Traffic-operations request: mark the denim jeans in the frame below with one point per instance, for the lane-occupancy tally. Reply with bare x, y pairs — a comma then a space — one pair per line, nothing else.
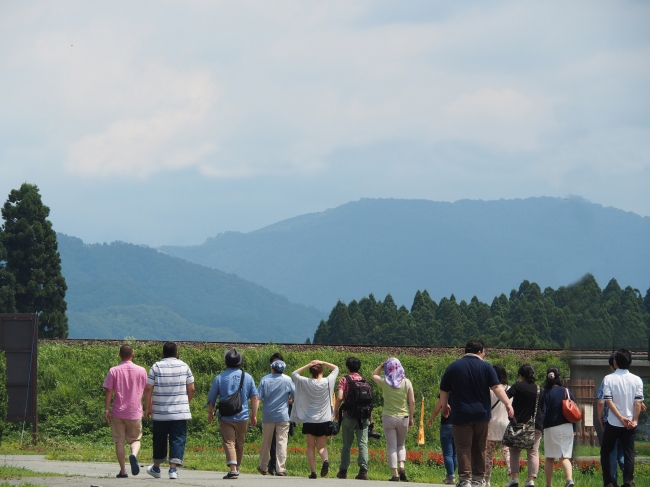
177, 432
617, 461
448, 450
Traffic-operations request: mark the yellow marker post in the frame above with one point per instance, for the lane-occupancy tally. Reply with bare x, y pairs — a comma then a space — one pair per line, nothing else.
421, 431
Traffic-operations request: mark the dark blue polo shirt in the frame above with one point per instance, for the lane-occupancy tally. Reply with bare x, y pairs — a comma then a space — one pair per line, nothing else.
468, 380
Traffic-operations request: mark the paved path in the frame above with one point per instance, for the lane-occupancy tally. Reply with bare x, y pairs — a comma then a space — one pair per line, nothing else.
87, 474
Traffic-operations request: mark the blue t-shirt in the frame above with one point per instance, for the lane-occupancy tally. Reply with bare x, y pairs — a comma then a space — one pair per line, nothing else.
274, 391
468, 380
601, 396
226, 384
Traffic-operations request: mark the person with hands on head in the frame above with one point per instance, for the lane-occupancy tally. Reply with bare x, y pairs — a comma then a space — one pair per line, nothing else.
169, 390
233, 428
124, 386
446, 443
465, 387
397, 417
313, 407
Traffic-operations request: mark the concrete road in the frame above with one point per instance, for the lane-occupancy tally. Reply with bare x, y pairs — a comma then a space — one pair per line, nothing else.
88, 474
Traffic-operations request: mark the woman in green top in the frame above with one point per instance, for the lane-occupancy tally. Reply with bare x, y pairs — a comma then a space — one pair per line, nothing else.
399, 407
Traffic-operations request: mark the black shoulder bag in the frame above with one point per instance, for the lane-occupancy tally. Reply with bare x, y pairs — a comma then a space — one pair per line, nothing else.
521, 436
232, 405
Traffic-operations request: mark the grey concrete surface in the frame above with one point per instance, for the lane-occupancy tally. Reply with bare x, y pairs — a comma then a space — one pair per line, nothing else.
87, 474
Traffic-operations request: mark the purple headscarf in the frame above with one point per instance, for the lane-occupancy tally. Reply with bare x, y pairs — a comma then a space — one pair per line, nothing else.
393, 372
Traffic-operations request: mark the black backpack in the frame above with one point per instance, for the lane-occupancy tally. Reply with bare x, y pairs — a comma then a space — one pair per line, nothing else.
358, 404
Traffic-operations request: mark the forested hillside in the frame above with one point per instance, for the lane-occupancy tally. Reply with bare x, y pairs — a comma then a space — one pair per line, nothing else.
467, 248
120, 290
577, 316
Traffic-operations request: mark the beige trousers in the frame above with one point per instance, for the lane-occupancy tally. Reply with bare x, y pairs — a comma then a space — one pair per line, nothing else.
233, 435
281, 439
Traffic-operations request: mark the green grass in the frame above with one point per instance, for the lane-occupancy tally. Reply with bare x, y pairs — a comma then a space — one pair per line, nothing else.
9, 472
22, 484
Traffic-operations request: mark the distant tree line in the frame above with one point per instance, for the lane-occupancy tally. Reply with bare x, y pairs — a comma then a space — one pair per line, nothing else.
578, 316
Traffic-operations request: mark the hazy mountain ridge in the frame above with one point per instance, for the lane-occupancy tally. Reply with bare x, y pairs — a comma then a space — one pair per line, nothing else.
122, 290
467, 248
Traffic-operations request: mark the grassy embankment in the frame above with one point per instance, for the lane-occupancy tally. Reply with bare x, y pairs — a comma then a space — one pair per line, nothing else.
71, 407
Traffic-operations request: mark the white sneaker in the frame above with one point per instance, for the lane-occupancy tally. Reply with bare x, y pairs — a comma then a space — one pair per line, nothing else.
464, 483
478, 483
152, 472
173, 473
529, 483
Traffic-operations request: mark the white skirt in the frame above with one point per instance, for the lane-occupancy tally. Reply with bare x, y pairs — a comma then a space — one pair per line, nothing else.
558, 441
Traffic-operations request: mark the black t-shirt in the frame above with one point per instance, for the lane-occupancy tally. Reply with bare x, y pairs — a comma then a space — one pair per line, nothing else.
523, 394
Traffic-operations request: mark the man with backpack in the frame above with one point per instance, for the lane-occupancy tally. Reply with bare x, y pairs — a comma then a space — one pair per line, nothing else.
355, 394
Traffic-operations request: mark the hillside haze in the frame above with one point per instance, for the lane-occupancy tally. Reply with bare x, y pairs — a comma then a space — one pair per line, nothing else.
121, 290
468, 248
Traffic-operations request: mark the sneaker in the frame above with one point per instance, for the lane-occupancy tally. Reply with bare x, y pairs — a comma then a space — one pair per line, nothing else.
154, 471
362, 475
312, 475
263, 472
479, 483
122, 476
231, 475
529, 483
449, 481
281, 474
569, 483
514, 483
173, 473
342, 474
135, 467
326, 468
393, 479
464, 483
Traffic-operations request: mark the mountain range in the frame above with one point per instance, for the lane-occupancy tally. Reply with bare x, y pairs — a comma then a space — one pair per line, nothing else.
121, 290
467, 248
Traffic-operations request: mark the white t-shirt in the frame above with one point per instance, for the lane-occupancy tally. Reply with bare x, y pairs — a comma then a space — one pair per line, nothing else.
623, 388
312, 401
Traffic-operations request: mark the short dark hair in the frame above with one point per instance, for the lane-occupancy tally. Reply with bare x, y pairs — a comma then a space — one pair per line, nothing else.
353, 364
527, 372
126, 351
276, 356
554, 380
170, 349
611, 359
474, 346
316, 370
623, 359
501, 373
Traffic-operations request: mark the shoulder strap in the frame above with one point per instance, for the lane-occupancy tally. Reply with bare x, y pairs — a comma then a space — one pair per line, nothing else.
241, 382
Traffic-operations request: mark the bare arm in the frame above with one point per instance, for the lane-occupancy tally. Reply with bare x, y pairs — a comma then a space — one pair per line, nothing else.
327, 364
444, 403
304, 367
411, 397
503, 397
375, 374
210, 412
107, 405
190, 391
255, 403
148, 402
337, 403
434, 413
600, 407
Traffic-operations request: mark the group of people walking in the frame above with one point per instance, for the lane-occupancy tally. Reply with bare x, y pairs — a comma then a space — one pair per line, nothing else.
480, 413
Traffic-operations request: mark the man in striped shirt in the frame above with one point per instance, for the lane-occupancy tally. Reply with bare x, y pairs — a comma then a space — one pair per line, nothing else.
170, 387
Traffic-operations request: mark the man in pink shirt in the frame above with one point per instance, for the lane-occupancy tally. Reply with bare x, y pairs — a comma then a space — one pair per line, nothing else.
125, 384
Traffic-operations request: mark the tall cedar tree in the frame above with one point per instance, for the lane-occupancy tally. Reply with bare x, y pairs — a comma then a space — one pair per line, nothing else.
7, 283
33, 260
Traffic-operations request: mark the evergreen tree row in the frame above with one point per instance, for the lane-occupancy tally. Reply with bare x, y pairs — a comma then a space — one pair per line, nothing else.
580, 316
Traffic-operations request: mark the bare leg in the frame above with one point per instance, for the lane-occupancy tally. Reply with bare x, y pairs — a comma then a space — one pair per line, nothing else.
121, 454
548, 470
135, 447
311, 460
321, 446
568, 468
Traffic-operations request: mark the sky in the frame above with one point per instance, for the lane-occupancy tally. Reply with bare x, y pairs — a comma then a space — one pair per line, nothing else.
167, 122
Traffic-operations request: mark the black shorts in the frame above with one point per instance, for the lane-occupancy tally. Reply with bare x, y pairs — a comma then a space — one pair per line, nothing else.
316, 429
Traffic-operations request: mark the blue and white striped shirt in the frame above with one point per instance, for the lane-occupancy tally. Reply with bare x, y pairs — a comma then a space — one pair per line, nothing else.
169, 378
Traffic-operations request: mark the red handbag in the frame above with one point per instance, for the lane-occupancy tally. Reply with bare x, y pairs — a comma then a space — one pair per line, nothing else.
570, 409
